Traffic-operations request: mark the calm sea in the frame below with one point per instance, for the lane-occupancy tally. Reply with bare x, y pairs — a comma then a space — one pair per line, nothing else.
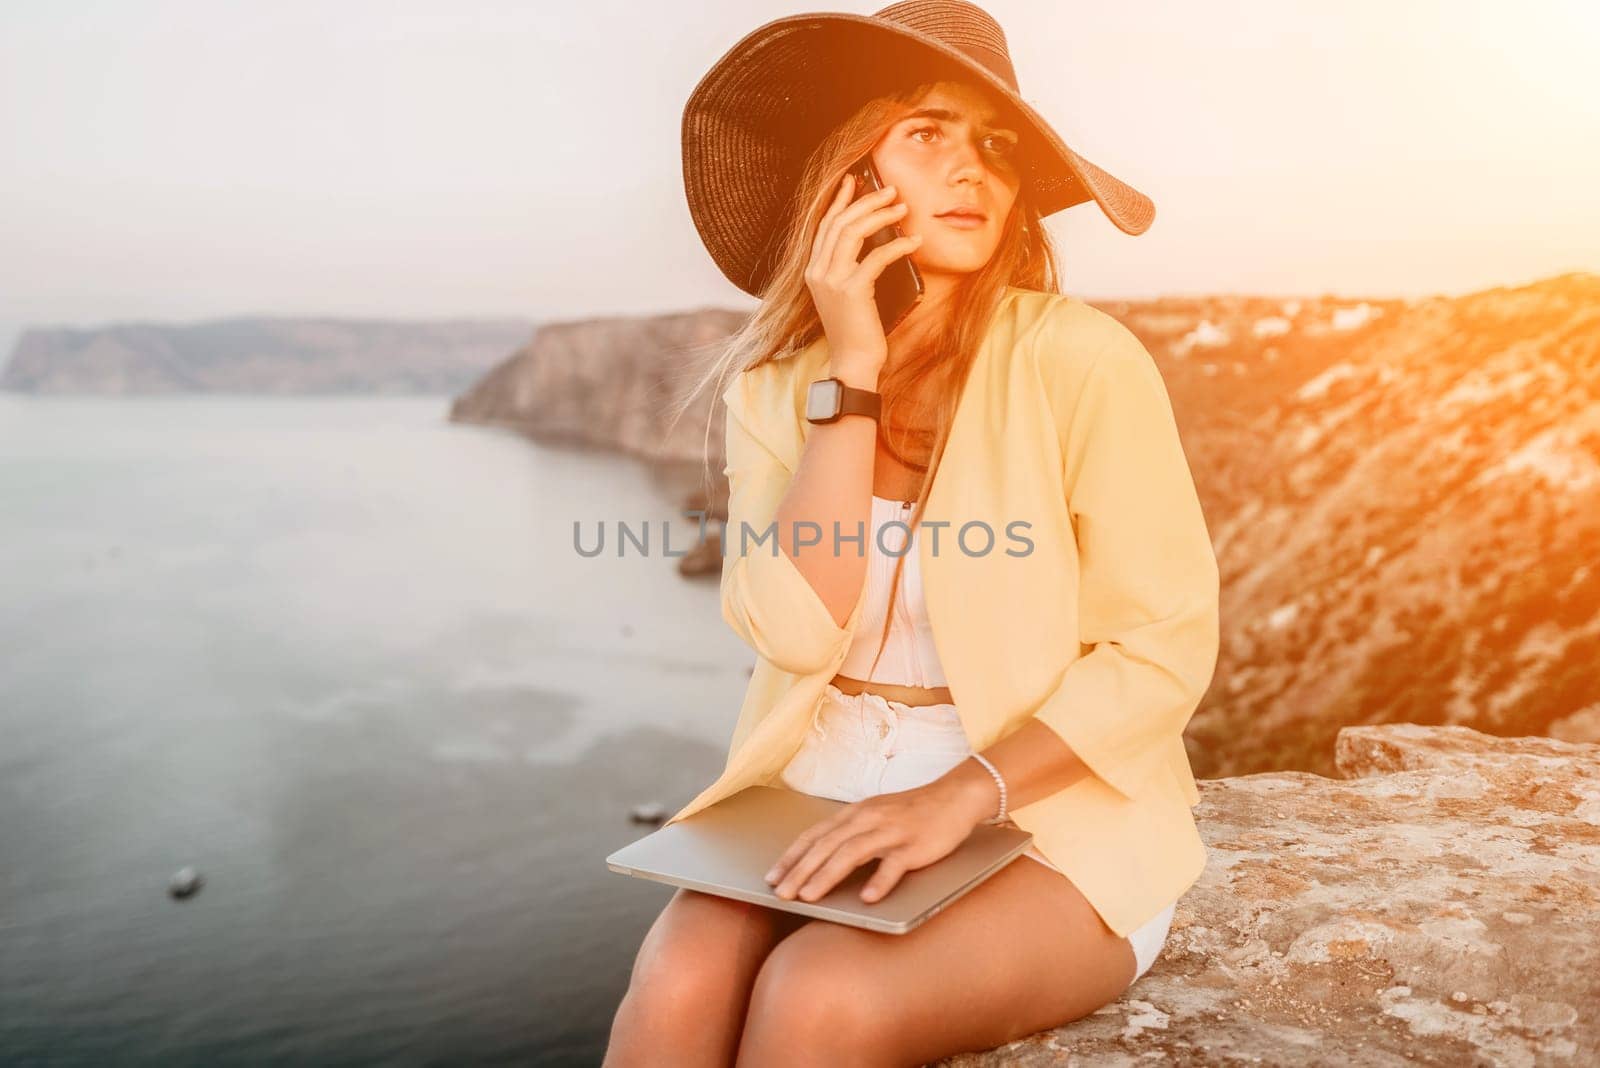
340, 656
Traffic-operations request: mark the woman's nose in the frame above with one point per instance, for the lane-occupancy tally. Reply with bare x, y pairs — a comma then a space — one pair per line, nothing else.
968, 165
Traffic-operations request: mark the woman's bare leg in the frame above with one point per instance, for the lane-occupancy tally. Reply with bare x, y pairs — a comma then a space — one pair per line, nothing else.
691, 981
1022, 952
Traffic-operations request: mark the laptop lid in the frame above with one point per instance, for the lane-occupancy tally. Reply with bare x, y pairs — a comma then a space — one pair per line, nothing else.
727, 848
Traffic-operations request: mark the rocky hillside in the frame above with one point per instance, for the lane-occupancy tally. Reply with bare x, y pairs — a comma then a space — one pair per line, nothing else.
262, 355
1436, 903
1405, 501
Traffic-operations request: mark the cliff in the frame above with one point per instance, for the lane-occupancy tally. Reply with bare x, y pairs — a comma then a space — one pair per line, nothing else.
609, 383
1405, 500
261, 355
1436, 904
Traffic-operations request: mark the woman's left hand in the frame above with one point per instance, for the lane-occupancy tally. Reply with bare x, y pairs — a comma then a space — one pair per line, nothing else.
907, 830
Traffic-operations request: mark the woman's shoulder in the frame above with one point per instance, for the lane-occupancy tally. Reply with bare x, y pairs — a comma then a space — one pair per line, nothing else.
1060, 326
1062, 338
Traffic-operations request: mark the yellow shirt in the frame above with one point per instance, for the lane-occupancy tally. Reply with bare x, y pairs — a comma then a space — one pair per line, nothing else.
1105, 628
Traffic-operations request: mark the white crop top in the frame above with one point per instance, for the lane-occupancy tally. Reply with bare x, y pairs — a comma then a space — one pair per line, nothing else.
909, 657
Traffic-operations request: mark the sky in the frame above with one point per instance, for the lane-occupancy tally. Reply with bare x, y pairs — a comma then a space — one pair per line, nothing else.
168, 160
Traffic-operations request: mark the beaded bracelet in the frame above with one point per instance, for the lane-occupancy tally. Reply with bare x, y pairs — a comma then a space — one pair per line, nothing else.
999, 817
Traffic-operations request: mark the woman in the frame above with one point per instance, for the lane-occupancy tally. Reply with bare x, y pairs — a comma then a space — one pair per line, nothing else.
1042, 682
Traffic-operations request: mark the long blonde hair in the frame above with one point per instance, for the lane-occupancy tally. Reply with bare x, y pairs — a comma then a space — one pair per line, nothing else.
786, 320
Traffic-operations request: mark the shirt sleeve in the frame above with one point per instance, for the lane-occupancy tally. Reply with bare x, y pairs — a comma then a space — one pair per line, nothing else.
1148, 581
765, 599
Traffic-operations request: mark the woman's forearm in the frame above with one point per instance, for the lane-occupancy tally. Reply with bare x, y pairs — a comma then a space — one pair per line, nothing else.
833, 484
1033, 760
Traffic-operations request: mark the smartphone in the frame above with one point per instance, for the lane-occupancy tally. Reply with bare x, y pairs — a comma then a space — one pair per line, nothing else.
899, 288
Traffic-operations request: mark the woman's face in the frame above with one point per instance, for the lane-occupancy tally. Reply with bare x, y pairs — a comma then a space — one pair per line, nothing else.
952, 152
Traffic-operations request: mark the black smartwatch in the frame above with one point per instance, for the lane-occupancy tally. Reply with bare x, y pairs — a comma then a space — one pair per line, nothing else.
829, 399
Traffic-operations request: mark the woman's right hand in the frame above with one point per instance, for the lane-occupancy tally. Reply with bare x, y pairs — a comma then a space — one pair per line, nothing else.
841, 287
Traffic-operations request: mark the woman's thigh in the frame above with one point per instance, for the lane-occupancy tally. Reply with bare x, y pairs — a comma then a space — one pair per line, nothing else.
1022, 952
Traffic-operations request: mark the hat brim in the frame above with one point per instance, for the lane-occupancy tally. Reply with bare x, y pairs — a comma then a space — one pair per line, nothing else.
756, 115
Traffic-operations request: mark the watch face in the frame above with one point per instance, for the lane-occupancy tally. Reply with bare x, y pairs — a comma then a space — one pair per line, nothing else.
823, 399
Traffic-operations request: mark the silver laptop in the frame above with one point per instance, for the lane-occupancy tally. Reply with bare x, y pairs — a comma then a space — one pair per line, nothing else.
726, 849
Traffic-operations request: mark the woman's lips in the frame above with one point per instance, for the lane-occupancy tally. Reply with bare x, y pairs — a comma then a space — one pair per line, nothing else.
963, 222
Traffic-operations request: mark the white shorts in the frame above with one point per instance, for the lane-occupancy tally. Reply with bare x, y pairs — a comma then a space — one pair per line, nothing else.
860, 745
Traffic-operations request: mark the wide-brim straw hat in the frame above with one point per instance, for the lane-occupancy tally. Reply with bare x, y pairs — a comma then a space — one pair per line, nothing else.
759, 112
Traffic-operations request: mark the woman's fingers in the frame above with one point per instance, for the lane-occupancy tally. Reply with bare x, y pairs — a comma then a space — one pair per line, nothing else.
853, 234
879, 258
890, 869
803, 843
831, 858
846, 858
841, 200
796, 850
836, 228
828, 228
842, 297
813, 846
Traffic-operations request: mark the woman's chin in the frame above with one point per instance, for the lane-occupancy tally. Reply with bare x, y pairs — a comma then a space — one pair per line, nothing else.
953, 261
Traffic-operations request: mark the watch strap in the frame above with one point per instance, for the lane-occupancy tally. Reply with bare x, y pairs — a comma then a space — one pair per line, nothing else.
853, 401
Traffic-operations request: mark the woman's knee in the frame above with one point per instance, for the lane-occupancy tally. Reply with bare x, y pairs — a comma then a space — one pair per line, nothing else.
683, 946
701, 954
803, 1000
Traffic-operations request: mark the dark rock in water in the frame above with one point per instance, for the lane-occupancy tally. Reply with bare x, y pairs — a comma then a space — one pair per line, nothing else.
704, 559
186, 882
650, 812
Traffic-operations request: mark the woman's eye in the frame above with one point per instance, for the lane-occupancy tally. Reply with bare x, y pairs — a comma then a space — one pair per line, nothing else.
1000, 144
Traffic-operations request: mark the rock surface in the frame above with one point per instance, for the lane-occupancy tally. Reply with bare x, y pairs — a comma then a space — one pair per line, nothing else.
1440, 904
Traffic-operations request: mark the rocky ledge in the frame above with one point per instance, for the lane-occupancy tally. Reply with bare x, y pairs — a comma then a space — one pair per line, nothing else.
1437, 904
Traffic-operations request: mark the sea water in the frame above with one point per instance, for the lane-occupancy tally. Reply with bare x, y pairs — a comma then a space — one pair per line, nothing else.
339, 655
